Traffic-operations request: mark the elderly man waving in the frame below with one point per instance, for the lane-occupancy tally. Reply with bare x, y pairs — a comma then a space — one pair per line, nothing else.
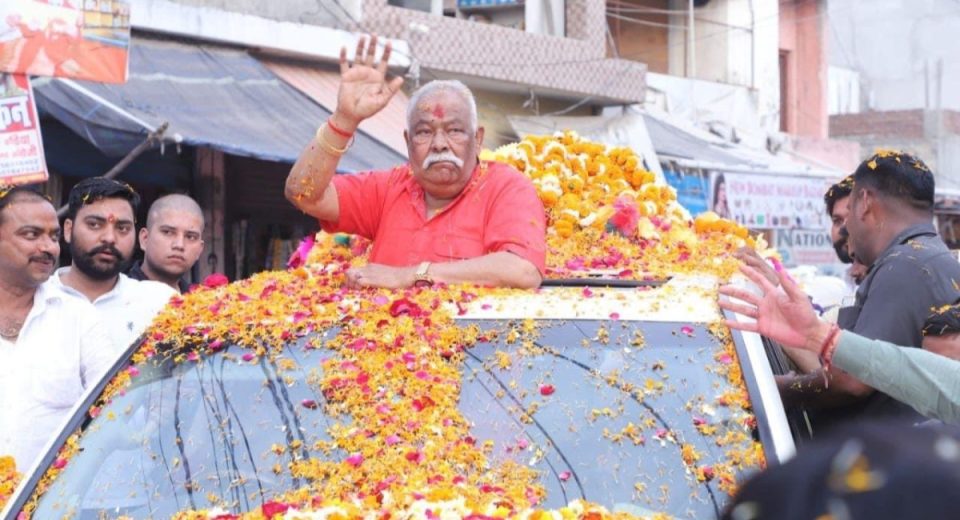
444, 217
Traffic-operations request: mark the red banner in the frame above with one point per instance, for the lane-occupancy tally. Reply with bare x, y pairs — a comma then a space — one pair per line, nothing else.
82, 39
21, 147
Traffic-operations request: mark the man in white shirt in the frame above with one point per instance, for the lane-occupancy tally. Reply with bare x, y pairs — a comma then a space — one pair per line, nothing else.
52, 346
100, 231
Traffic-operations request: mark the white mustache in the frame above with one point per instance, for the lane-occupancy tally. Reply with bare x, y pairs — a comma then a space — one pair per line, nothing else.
442, 157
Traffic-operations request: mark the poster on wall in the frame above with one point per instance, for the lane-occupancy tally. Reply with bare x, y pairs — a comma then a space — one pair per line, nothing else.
21, 147
768, 201
81, 39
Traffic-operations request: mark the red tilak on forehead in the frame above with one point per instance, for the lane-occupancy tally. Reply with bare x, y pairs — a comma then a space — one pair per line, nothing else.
438, 111
111, 218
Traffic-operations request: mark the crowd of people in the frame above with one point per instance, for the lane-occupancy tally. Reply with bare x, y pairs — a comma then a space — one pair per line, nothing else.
63, 328
448, 217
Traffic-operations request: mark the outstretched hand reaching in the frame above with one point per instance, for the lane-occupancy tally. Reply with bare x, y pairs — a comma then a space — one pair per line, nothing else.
364, 89
783, 315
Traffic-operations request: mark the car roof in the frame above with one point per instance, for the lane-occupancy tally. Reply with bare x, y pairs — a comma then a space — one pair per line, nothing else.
680, 299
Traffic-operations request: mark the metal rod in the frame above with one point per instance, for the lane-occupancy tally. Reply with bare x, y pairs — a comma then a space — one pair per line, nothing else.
691, 37
155, 135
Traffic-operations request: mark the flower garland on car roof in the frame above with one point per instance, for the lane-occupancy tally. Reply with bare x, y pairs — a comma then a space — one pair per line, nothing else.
606, 212
399, 447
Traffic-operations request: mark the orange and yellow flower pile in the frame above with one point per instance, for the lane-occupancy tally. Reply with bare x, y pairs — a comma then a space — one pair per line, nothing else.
9, 479
606, 212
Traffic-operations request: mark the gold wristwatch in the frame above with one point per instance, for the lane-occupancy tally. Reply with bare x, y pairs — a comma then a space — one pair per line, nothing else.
423, 279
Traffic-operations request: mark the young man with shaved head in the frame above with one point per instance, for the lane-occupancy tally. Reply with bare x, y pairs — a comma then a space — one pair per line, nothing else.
446, 216
171, 241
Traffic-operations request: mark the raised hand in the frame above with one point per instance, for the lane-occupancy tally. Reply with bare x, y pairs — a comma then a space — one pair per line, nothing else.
364, 89
752, 258
785, 316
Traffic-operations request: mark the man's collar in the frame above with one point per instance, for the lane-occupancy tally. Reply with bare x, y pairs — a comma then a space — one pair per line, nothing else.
44, 296
121, 278
913, 231
136, 273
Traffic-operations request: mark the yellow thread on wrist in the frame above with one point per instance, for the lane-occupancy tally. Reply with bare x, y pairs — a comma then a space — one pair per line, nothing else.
325, 144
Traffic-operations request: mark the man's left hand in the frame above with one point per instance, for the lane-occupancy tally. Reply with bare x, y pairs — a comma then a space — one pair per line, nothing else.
382, 276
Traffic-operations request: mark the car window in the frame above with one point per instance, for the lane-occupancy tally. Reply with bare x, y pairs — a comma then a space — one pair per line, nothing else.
636, 416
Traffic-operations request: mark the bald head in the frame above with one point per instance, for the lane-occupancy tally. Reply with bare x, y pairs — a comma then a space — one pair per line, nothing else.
174, 203
172, 239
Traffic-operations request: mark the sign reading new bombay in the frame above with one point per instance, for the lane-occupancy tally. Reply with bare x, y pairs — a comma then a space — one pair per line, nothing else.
770, 201
21, 147
81, 39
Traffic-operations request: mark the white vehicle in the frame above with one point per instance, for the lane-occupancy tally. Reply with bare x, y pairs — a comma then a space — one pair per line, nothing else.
630, 414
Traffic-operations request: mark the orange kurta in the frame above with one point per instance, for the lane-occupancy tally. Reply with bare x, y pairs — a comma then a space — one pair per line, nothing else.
499, 210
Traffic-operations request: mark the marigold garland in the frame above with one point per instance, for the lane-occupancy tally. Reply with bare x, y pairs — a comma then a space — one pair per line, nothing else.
393, 382
9, 479
606, 212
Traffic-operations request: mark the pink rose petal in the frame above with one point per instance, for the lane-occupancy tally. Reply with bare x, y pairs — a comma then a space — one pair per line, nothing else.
355, 459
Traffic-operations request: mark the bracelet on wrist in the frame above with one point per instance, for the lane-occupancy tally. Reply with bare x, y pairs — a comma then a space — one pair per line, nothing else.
326, 145
337, 130
826, 351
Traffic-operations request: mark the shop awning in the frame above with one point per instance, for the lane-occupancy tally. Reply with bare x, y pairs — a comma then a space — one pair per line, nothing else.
211, 96
672, 142
322, 84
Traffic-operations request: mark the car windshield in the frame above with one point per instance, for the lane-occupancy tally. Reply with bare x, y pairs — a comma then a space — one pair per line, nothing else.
636, 416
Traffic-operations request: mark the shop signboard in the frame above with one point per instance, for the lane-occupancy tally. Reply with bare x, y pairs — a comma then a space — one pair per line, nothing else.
805, 247
21, 148
769, 201
81, 39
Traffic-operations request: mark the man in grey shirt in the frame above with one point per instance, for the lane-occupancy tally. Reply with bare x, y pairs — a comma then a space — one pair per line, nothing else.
911, 273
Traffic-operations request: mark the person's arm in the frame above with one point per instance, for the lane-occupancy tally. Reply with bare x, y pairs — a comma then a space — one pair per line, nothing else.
500, 269
785, 315
364, 91
928, 382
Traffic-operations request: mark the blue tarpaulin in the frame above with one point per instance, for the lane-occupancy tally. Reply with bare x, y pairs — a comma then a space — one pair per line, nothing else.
691, 189
211, 96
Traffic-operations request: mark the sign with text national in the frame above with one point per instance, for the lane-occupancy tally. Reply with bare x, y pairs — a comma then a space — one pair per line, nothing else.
81, 39
806, 246
21, 147
770, 201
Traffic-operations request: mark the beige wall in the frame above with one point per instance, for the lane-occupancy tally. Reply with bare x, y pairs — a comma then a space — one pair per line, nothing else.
805, 96
638, 41
575, 65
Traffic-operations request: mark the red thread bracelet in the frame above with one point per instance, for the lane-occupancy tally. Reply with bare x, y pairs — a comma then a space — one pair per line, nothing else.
826, 351
338, 131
